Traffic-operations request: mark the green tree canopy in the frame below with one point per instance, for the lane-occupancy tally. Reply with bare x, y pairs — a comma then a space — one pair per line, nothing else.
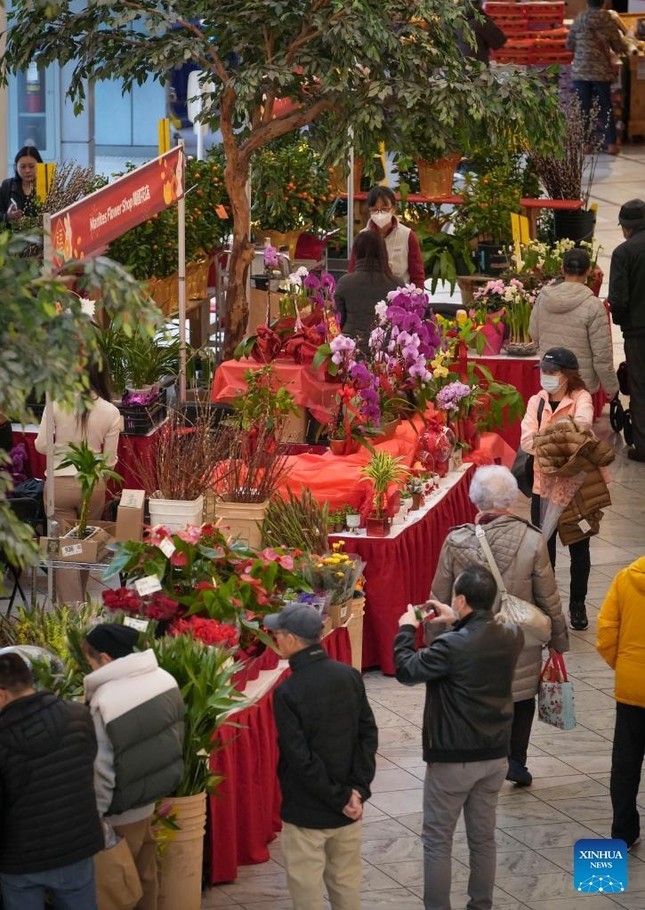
372, 66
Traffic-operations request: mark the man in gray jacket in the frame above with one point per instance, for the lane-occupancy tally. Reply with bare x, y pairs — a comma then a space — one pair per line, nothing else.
569, 309
467, 718
138, 715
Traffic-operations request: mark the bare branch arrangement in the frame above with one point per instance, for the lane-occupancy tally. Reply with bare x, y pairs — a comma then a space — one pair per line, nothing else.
188, 455
70, 183
256, 465
571, 175
195, 457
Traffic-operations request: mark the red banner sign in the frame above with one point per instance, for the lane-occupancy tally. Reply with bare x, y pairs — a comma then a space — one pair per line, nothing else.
88, 225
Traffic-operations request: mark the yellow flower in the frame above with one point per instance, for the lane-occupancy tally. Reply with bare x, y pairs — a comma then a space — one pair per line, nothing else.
440, 372
462, 316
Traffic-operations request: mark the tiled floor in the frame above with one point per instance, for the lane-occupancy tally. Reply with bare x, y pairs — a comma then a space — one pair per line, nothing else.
569, 799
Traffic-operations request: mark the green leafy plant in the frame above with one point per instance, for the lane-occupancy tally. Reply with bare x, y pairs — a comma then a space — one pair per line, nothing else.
137, 360
204, 676
264, 403
488, 201
91, 469
46, 341
290, 186
150, 249
445, 256
58, 632
383, 469
298, 521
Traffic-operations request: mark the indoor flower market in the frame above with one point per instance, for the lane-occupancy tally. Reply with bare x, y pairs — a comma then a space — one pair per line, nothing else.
322, 334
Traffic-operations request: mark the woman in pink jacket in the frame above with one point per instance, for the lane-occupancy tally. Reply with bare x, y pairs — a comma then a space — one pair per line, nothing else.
563, 394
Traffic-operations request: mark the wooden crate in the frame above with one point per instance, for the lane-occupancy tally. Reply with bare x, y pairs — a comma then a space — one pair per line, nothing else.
636, 123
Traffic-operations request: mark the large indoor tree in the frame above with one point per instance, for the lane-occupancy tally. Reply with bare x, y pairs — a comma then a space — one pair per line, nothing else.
365, 68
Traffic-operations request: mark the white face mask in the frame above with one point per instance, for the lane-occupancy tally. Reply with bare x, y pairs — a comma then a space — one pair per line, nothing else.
381, 219
550, 382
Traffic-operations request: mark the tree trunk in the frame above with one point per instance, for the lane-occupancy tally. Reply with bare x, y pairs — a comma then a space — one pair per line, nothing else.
236, 308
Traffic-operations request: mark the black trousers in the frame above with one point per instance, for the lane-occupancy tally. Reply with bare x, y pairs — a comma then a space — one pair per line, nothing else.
523, 714
635, 357
580, 558
626, 766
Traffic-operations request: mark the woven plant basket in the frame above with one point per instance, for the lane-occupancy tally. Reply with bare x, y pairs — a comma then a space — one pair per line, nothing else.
520, 348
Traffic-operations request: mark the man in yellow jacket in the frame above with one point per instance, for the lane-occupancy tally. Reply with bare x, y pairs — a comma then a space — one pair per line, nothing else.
621, 642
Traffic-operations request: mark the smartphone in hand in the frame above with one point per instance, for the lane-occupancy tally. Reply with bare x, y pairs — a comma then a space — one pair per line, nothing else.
425, 611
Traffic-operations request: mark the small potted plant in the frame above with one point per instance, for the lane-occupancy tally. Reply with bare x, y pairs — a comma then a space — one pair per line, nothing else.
91, 469
414, 487
382, 469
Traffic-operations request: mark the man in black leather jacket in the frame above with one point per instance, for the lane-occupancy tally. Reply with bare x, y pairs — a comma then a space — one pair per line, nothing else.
627, 302
327, 739
467, 719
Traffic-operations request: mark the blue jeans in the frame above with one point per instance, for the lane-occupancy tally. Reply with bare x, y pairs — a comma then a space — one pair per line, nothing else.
71, 887
602, 90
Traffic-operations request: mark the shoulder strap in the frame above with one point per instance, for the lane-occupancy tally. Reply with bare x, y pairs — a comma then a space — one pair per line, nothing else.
488, 553
540, 410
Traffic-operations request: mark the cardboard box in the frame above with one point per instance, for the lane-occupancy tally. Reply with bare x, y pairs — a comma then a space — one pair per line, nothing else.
70, 549
129, 516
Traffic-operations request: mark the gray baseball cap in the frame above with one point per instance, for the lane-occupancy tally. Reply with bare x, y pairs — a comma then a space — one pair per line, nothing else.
299, 619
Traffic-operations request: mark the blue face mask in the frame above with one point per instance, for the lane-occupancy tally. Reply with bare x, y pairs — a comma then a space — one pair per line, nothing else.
550, 382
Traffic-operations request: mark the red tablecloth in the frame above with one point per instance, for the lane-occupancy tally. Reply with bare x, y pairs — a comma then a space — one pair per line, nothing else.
132, 451
400, 569
307, 386
522, 373
244, 815
337, 480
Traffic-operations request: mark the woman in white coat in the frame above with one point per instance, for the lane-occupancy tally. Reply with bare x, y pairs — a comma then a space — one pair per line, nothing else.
99, 424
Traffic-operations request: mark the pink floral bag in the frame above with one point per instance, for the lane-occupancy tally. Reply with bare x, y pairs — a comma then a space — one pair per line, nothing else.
555, 695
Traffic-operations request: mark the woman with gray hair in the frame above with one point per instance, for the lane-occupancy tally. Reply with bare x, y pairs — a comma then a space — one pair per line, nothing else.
520, 553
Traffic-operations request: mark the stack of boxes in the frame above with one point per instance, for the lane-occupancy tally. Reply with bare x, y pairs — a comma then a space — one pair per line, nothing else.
535, 31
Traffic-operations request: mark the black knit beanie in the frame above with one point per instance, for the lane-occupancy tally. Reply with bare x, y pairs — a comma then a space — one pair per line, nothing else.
112, 639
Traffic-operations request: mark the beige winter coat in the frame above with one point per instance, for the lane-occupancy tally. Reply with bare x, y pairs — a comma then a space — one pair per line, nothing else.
523, 561
569, 314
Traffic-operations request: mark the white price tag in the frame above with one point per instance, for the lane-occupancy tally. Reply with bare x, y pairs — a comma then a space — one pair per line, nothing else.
584, 525
167, 547
147, 585
141, 625
73, 549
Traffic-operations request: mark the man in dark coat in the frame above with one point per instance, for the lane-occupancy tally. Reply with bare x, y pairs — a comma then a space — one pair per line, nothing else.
627, 302
327, 738
49, 824
468, 671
